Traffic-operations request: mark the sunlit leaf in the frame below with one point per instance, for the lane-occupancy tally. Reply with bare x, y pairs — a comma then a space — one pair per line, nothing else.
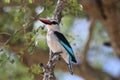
16, 19
30, 1
7, 1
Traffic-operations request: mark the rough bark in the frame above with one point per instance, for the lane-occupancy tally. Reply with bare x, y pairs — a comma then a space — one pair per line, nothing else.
58, 10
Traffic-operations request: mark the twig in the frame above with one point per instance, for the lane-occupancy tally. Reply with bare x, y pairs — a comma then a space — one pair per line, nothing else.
5, 33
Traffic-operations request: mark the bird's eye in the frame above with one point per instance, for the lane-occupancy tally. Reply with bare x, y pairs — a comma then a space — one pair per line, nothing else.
54, 22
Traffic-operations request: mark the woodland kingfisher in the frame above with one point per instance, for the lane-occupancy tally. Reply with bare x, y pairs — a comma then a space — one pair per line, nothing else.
58, 43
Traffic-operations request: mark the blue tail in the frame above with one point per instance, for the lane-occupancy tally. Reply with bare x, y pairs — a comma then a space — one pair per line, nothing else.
70, 66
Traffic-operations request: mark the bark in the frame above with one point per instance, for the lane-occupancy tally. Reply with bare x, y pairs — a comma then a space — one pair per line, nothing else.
58, 10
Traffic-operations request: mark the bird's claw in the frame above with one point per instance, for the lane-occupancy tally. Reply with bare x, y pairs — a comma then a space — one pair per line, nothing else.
56, 53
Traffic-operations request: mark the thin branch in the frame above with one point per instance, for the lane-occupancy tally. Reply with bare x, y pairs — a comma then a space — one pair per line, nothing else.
5, 33
87, 45
86, 67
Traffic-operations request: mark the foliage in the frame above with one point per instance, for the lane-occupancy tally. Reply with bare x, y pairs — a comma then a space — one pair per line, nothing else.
14, 18
11, 68
36, 69
21, 15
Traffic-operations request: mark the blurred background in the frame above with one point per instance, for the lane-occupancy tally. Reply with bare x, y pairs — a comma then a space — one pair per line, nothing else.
23, 42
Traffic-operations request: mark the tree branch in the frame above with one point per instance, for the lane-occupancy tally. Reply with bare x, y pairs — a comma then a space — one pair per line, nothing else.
86, 48
49, 68
85, 65
58, 10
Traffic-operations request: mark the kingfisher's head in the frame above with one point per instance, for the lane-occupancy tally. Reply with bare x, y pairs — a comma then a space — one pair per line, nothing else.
51, 24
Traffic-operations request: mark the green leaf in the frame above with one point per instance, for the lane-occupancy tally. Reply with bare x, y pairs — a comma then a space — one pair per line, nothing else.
31, 48
75, 1
36, 69
12, 61
3, 56
30, 1
16, 19
7, 1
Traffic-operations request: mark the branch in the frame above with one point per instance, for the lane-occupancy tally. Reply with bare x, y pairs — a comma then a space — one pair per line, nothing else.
86, 48
5, 33
53, 58
49, 68
58, 10
85, 66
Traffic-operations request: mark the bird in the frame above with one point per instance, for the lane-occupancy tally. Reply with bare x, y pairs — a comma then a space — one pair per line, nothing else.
57, 42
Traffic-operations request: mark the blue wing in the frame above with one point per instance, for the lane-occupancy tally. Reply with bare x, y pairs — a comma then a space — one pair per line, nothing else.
63, 41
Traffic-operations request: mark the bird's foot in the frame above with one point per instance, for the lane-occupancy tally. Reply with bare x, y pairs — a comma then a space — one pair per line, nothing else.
56, 53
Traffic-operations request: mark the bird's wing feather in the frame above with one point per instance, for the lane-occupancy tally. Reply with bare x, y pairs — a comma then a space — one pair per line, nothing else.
63, 41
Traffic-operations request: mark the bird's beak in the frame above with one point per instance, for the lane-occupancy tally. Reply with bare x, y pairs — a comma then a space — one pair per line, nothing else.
46, 21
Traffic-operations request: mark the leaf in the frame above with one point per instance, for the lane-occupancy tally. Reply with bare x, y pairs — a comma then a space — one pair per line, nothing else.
16, 19
7, 1
36, 69
31, 48
30, 1
12, 61
3, 56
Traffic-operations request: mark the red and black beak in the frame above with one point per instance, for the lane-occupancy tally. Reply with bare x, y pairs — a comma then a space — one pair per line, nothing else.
46, 21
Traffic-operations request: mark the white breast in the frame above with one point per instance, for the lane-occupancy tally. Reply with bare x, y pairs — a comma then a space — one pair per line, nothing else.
55, 46
53, 43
